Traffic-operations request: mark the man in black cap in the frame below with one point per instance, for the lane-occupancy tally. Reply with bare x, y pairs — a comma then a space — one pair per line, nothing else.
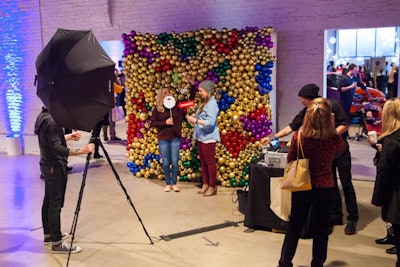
342, 162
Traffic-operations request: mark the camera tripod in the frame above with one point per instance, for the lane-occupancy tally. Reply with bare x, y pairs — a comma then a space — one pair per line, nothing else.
78, 205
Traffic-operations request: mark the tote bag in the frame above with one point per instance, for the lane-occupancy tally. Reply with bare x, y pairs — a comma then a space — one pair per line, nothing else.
297, 174
281, 200
117, 113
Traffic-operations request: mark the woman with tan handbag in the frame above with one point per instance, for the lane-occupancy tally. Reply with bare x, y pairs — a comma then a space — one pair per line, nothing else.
320, 144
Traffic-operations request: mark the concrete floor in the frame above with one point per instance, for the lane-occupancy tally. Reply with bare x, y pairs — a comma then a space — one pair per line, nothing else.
110, 232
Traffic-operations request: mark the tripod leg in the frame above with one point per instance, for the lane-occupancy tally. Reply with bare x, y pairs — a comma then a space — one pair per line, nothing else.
78, 205
124, 189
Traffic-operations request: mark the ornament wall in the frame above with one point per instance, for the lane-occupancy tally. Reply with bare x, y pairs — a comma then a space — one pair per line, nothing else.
241, 62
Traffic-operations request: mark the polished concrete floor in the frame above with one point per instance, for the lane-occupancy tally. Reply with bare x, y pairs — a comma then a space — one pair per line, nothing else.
111, 234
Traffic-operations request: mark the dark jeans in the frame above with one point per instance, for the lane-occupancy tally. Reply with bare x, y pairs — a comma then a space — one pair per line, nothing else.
346, 100
343, 165
322, 199
208, 163
55, 184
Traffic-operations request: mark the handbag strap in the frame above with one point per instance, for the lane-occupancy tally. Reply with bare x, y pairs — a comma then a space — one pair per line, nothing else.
299, 146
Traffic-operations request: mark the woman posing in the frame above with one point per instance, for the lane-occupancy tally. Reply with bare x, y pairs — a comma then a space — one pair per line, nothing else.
169, 125
207, 135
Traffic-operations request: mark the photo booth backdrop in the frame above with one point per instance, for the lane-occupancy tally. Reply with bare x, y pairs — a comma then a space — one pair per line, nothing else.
241, 64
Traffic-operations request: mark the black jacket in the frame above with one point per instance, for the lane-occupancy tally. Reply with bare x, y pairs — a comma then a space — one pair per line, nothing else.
341, 117
387, 183
52, 144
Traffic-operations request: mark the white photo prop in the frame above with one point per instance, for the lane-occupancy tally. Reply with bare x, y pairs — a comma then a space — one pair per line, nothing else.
169, 103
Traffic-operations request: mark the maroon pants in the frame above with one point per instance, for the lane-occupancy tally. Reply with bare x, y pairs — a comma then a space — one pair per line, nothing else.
208, 163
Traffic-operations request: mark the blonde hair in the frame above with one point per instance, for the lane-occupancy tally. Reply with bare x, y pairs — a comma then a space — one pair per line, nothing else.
317, 122
203, 101
390, 117
160, 99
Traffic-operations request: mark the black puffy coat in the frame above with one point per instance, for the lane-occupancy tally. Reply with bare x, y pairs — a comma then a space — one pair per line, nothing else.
387, 183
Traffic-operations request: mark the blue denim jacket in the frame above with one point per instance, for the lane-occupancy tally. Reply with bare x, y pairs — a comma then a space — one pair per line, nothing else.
208, 131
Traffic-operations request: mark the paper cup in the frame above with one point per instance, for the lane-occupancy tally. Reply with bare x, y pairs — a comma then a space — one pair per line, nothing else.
373, 137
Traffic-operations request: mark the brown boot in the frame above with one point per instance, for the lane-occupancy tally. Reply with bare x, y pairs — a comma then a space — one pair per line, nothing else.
203, 189
210, 192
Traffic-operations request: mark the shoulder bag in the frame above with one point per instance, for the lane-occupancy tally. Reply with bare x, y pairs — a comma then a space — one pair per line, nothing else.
297, 174
117, 113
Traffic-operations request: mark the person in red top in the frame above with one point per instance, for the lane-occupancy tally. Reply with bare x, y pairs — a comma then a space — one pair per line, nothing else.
320, 144
169, 125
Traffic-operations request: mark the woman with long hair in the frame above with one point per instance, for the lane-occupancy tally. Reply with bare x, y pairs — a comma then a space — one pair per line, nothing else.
169, 125
387, 183
207, 135
320, 144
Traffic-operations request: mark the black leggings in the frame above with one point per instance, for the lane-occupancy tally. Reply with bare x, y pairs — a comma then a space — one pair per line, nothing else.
322, 199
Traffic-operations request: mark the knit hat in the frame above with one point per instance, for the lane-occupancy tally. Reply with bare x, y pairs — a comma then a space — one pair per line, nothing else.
207, 86
309, 91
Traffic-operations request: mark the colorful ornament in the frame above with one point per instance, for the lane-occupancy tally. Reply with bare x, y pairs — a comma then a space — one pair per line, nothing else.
238, 61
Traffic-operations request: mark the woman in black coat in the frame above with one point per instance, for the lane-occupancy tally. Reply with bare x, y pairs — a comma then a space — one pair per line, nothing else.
387, 184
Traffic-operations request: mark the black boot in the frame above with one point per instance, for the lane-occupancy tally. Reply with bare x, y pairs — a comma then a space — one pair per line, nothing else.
387, 240
96, 154
392, 250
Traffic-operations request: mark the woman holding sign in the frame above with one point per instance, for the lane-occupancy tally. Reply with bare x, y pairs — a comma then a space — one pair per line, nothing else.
167, 118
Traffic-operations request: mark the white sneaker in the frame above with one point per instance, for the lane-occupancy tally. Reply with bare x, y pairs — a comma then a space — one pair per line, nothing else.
65, 248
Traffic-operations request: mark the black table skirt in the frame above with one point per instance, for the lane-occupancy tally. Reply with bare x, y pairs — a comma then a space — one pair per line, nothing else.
258, 214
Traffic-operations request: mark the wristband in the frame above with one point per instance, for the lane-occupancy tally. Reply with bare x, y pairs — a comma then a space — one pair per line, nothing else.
197, 121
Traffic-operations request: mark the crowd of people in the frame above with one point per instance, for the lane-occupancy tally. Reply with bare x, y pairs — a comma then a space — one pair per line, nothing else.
322, 125
385, 80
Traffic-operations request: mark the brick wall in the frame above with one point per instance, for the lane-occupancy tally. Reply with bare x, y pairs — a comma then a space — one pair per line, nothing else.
299, 25
20, 42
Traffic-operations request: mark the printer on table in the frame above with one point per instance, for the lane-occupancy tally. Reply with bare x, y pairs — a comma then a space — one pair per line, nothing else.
274, 159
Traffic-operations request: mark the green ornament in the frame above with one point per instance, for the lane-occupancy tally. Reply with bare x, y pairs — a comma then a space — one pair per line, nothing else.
175, 77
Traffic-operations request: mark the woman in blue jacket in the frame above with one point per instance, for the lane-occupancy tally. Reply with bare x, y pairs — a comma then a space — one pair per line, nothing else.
206, 134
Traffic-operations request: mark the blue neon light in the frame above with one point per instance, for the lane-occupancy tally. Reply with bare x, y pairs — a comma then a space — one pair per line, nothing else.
12, 45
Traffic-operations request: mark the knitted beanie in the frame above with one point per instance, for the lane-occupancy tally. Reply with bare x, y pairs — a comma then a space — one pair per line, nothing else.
207, 86
309, 91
